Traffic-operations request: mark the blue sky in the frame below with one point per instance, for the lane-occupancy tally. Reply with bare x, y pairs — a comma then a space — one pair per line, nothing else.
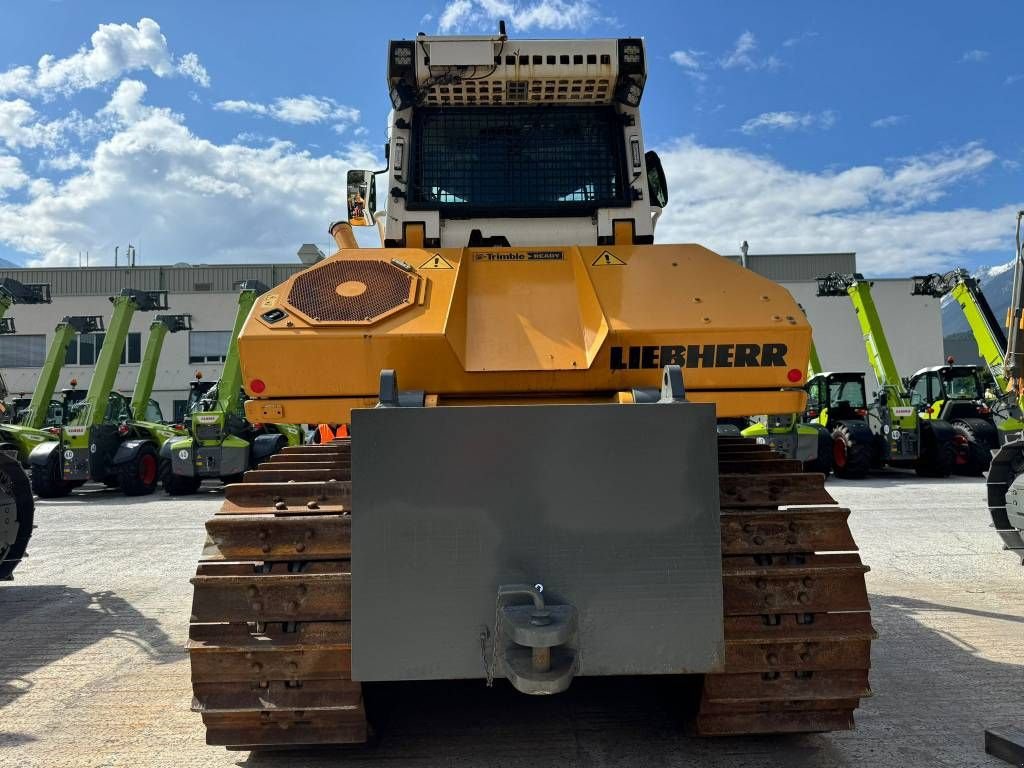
220, 131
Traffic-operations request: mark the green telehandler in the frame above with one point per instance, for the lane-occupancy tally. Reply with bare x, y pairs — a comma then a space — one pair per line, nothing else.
42, 417
902, 437
98, 442
955, 392
221, 443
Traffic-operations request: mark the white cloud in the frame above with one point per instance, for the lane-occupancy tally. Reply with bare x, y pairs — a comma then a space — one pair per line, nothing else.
11, 174
790, 42
1011, 79
789, 121
114, 50
483, 15
189, 66
974, 56
690, 63
151, 178
298, 110
888, 121
21, 126
125, 104
720, 197
68, 162
743, 55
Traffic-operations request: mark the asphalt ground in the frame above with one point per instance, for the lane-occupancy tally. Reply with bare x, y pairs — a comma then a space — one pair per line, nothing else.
93, 671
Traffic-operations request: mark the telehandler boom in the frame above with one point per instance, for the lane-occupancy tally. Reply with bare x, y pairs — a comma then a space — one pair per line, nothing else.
96, 443
903, 438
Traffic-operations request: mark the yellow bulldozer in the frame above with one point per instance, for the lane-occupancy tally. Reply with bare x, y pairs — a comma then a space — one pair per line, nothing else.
535, 487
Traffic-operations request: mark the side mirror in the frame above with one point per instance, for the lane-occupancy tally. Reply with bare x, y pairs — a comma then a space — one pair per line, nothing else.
361, 194
657, 184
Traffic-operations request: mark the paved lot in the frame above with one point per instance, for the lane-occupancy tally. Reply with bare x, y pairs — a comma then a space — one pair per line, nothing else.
92, 671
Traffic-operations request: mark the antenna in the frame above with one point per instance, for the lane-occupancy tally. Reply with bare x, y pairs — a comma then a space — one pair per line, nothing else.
501, 29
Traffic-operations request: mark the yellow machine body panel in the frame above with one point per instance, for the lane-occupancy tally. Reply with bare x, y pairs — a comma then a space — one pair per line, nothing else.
476, 323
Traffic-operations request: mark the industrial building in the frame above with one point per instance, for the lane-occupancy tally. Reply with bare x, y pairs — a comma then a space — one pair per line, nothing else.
207, 293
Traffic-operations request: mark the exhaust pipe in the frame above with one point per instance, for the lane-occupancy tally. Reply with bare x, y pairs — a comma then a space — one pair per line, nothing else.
343, 235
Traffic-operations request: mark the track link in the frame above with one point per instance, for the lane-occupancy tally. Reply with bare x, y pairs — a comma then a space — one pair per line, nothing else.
270, 641
797, 624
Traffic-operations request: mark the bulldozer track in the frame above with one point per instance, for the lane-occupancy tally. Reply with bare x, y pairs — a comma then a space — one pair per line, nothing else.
797, 624
270, 639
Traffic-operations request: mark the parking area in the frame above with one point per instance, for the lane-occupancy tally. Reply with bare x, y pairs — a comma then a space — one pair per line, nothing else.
93, 672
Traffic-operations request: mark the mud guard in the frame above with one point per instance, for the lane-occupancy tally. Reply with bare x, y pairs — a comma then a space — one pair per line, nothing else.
127, 451
859, 431
265, 446
41, 454
985, 431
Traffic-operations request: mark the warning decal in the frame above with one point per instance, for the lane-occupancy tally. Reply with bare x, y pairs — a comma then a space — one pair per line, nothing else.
607, 259
436, 261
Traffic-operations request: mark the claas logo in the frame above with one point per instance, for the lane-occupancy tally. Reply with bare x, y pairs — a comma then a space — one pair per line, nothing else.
700, 356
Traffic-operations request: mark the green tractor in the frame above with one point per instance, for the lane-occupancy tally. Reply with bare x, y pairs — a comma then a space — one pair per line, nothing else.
39, 420
837, 403
902, 437
221, 443
101, 440
15, 292
955, 394
988, 418
831, 435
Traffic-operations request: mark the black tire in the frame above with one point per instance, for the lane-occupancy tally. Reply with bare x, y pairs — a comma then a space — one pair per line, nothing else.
938, 458
823, 461
112, 482
47, 480
14, 483
177, 485
979, 454
851, 458
139, 476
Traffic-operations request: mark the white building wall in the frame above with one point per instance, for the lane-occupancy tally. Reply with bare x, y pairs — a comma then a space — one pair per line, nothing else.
913, 327
210, 312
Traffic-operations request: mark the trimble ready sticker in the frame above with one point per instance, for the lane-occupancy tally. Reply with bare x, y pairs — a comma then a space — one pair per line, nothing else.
903, 410
206, 418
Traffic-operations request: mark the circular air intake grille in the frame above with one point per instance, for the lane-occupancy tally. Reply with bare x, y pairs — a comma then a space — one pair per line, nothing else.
352, 291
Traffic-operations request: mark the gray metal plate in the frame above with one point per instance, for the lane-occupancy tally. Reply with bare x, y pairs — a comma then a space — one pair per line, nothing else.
613, 508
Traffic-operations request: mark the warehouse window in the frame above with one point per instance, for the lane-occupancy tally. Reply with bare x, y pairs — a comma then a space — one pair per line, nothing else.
22, 350
208, 346
85, 349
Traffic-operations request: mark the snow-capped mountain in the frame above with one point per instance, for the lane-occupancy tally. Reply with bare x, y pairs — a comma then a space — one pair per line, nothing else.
997, 285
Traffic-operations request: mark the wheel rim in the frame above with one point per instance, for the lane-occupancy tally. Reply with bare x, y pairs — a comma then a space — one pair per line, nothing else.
839, 453
147, 469
961, 449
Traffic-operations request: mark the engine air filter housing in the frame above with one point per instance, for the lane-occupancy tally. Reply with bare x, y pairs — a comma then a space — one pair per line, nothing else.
352, 292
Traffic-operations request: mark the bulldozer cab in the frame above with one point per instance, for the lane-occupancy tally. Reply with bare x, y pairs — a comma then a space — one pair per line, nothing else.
543, 144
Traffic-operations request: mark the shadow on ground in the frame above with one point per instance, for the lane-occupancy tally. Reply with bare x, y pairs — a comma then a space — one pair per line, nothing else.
638, 721
40, 625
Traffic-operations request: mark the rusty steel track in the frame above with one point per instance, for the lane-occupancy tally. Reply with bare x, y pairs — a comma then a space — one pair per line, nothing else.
270, 640
797, 624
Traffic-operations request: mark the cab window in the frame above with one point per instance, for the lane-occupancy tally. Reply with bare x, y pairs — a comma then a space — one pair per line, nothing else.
919, 391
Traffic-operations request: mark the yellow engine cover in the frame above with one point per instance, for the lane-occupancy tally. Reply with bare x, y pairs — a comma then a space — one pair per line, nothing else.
558, 322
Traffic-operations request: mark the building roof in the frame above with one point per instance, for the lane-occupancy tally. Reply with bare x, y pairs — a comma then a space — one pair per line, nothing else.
183, 278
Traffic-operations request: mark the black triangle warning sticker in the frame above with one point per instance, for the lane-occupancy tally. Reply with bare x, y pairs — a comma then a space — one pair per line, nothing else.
608, 259
435, 262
